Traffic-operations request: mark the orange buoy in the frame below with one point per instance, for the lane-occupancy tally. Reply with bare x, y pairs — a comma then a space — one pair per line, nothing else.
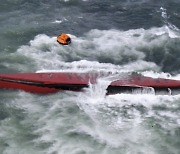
63, 39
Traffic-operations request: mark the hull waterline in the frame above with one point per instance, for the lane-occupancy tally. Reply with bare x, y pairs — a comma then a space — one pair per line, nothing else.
44, 83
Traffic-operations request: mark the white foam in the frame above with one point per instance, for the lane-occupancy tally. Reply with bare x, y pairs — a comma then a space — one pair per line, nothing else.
113, 122
57, 21
72, 0
172, 30
96, 45
111, 110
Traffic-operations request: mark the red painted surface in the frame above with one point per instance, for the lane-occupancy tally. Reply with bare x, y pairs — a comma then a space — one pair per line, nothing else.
28, 88
144, 81
47, 82
53, 78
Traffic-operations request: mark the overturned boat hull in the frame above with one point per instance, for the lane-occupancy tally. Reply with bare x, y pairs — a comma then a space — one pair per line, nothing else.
44, 83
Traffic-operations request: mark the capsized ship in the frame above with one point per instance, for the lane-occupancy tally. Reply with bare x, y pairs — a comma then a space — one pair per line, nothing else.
51, 82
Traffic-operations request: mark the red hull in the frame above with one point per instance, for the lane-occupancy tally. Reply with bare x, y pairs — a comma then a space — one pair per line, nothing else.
44, 83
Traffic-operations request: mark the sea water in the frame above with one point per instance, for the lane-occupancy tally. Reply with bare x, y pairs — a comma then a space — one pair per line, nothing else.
107, 36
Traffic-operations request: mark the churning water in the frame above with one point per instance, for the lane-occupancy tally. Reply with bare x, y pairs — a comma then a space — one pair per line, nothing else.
107, 36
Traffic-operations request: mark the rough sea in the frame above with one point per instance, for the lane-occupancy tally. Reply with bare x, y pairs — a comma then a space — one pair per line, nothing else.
107, 36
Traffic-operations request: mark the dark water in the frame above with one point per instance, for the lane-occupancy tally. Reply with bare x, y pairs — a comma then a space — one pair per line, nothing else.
107, 35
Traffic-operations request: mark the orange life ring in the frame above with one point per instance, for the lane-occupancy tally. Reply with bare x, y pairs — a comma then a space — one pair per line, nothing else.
63, 39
